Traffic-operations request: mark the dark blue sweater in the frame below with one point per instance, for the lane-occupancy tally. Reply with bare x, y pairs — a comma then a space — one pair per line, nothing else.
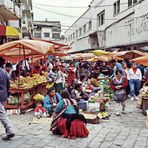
3, 85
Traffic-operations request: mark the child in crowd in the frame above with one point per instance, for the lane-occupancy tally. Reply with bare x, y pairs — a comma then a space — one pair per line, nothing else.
40, 111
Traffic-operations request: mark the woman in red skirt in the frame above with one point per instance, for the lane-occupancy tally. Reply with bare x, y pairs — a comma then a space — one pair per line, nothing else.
67, 121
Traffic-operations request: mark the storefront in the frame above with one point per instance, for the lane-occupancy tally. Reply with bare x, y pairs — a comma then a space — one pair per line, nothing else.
9, 33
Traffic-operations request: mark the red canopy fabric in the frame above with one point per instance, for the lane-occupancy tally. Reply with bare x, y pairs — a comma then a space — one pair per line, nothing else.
17, 50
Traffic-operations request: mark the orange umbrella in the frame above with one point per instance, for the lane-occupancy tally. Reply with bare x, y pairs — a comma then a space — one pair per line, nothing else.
131, 54
17, 50
141, 60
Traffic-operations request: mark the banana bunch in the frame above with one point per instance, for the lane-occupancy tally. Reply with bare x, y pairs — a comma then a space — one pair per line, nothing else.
27, 82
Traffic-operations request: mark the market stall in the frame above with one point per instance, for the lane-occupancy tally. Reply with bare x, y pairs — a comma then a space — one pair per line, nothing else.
132, 54
143, 99
15, 52
141, 60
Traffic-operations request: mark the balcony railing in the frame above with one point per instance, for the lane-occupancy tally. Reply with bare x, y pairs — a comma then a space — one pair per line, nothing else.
10, 7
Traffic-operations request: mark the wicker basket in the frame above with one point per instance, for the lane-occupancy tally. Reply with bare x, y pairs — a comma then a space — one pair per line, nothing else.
146, 84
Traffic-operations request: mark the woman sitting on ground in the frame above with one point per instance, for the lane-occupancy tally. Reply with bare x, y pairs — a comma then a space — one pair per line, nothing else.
51, 100
67, 121
78, 94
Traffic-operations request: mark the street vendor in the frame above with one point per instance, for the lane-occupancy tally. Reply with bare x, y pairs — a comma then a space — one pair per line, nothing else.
67, 121
78, 94
104, 69
51, 100
8, 68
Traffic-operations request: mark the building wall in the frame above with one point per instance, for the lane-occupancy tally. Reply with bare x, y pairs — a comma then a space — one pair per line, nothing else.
118, 29
10, 14
48, 30
27, 19
132, 29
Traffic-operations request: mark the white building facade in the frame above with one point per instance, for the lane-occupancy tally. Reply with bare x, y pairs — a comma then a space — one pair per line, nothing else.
10, 15
110, 24
27, 19
47, 30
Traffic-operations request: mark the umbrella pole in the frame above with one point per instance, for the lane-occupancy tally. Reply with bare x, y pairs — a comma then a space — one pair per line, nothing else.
19, 74
45, 62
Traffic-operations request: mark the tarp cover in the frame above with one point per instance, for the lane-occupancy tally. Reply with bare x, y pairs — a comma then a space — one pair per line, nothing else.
141, 60
17, 50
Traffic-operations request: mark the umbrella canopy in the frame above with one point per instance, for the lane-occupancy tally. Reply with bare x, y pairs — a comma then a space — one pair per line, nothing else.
83, 56
17, 50
131, 54
100, 52
141, 60
105, 58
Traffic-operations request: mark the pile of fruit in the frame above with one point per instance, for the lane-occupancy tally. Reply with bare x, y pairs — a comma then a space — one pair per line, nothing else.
28, 82
144, 92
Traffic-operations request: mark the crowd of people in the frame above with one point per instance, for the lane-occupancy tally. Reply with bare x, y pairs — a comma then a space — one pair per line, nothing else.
74, 82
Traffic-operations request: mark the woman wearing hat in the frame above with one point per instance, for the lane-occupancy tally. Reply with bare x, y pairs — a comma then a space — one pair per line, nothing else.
51, 100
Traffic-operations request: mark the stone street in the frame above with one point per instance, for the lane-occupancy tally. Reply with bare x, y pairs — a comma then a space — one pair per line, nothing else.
126, 131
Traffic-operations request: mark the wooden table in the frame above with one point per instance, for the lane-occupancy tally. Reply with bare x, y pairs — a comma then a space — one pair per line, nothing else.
22, 105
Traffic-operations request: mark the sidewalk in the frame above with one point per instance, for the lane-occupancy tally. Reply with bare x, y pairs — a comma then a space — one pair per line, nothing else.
126, 131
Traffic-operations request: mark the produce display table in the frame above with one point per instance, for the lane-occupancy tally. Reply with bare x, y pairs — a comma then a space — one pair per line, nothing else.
22, 105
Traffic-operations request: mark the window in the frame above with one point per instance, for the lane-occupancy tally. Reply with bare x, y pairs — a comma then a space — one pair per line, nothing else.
129, 3
76, 33
73, 35
117, 7
132, 2
37, 35
84, 28
56, 36
101, 17
80, 31
90, 25
46, 35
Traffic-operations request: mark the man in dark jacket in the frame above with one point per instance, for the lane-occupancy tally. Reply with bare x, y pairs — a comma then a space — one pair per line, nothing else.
4, 85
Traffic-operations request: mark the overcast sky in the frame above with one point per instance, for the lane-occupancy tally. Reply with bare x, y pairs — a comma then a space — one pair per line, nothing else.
42, 15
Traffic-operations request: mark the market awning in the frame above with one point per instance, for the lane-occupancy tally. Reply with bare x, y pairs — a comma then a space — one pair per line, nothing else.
9, 31
132, 54
141, 60
17, 50
100, 52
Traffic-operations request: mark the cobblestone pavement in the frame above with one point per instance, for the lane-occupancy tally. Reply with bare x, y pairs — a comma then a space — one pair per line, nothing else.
126, 131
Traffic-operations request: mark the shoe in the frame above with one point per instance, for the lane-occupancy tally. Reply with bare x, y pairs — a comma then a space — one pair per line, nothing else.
128, 96
117, 114
8, 137
132, 98
136, 98
123, 112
